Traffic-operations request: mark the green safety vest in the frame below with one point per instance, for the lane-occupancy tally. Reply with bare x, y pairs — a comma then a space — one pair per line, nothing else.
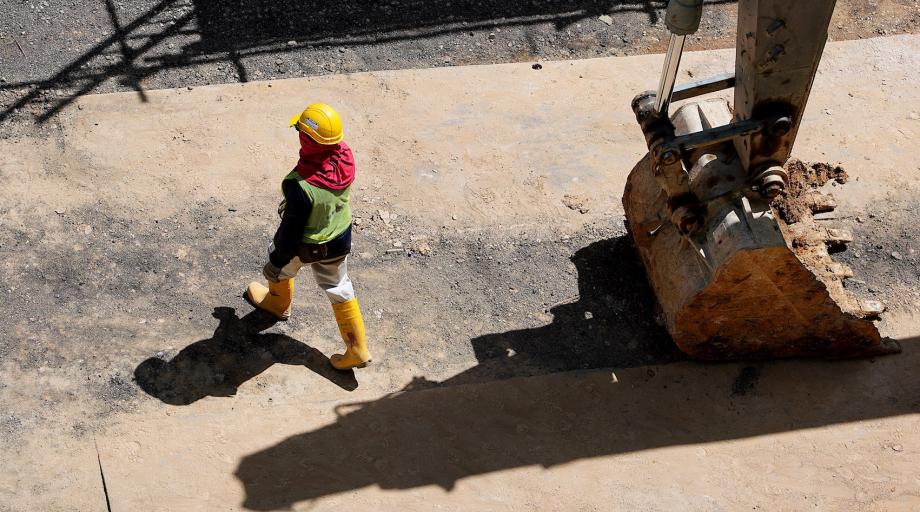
331, 214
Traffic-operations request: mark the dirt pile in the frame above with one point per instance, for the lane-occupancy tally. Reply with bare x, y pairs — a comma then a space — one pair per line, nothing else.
799, 198
809, 239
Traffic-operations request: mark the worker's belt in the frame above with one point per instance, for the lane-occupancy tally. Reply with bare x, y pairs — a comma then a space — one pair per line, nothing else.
335, 248
311, 253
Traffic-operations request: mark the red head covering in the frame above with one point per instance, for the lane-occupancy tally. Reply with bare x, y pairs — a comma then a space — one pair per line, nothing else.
330, 167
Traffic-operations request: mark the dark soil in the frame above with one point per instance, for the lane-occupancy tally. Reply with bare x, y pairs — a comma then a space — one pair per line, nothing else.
885, 252
51, 53
139, 281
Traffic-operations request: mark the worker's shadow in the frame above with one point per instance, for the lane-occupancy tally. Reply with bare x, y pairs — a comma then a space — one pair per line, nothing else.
237, 352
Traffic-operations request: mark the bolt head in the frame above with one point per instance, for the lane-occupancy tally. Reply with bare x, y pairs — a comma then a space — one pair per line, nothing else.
772, 190
669, 157
771, 186
687, 220
691, 225
781, 126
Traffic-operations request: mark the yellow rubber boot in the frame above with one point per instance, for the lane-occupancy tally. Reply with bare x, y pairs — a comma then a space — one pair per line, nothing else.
351, 326
276, 299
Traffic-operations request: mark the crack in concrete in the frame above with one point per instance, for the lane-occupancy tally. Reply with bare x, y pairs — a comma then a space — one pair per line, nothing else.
105, 490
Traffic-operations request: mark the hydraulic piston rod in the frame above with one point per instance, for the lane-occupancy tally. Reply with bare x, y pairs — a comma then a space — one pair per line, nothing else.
682, 19
669, 73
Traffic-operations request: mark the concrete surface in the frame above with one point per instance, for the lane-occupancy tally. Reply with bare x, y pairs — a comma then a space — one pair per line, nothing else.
143, 191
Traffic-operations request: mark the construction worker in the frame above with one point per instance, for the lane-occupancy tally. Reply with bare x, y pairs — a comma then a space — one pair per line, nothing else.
315, 230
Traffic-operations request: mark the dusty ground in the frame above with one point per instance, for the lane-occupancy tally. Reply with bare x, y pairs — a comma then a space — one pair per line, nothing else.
518, 362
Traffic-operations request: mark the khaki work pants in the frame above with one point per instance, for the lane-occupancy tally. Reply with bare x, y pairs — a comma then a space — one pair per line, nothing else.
331, 275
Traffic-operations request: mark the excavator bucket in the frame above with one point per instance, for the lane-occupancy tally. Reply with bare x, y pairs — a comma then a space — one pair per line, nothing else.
722, 219
754, 281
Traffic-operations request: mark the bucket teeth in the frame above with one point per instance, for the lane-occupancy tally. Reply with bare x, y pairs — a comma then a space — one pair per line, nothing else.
837, 236
870, 307
820, 202
840, 270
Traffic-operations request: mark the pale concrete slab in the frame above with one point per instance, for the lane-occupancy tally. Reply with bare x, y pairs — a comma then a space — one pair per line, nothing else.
495, 146
810, 434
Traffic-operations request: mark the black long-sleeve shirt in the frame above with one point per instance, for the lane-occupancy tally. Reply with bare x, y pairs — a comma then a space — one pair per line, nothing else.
297, 209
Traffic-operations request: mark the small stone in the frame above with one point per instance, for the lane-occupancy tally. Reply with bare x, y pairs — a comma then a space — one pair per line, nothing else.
650, 373
190, 87
60, 211
897, 447
423, 249
537, 66
915, 116
589, 315
606, 19
829, 112
397, 244
896, 255
492, 37
231, 209
292, 42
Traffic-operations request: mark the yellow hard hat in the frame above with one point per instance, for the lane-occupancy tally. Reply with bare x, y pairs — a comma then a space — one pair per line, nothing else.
321, 122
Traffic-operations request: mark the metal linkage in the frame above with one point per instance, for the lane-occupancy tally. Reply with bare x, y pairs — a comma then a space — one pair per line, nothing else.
669, 170
703, 86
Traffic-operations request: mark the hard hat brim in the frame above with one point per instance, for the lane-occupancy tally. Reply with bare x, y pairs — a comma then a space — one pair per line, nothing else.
313, 134
326, 142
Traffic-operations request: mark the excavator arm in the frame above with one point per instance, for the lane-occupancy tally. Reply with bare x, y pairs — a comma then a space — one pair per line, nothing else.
725, 268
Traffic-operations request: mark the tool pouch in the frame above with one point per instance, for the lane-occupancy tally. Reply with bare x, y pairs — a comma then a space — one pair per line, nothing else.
311, 253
